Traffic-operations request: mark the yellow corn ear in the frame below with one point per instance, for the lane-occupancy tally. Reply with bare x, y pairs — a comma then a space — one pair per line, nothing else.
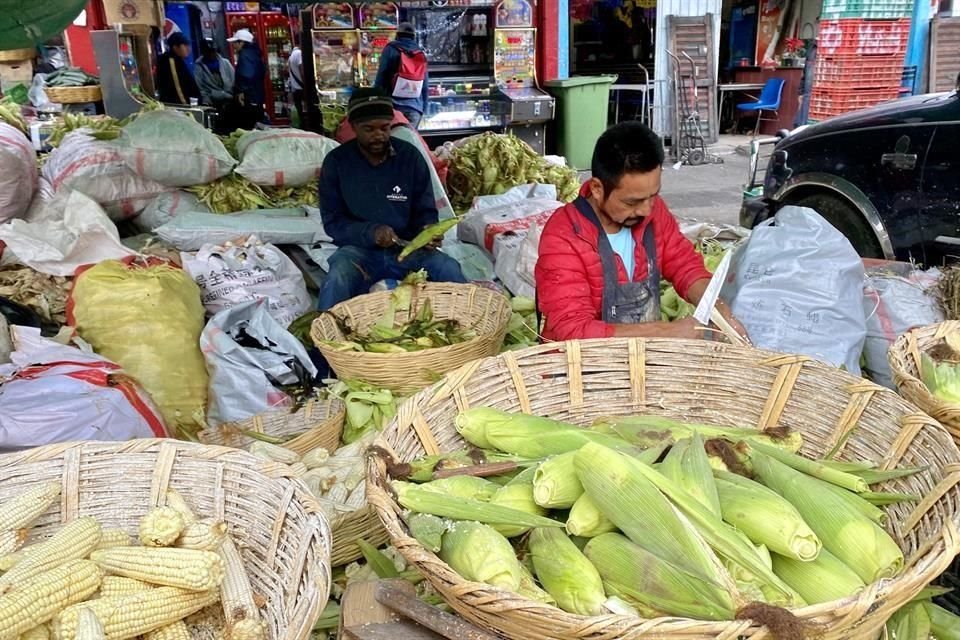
175, 500
183, 568
161, 527
117, 586
39, 599
315, 458
176, 631
274, 452
236, 597
21, 510
7, 561
88, 626
112, 538
136, 614
11, 541
297, 469
73, 541
203, 535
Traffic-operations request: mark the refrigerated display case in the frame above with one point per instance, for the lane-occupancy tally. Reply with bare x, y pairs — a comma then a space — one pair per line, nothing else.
378, 27
188, 20
272, 31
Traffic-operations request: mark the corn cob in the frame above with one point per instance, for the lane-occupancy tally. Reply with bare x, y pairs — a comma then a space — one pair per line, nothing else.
38, 599
88, 626
416, 499
297, 469
530, 589
856, 502
315, 458
176, 631
338, 493
821, 580
112, 538
9, 560
236, 596
161, 527
20, 511
687, 465
427, 529
39, 632
274, 452
555, 482
135, 614
565, 573
518, 494
480, 554
358, 497
117, 586
11, 541
586, 520
183, 568
73, 541
203, 535
812, 468
175, 500
469, 487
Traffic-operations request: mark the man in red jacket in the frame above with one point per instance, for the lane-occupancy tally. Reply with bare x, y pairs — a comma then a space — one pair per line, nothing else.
602, 256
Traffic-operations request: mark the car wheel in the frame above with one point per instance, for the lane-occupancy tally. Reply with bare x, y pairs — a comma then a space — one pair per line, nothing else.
847, 221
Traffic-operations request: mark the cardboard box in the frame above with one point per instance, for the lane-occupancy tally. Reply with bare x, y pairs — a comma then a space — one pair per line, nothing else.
14, 73
132, 12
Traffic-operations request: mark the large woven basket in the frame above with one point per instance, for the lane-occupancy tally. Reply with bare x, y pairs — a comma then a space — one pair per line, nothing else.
319, 423
701, 382
349, 528
74, 95
284, 540
904, 357
17, 55
482, 310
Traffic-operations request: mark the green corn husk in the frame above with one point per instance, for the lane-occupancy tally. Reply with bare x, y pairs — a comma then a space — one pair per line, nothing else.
822, 580
422, 469
586, 520
853, 538
943, 624
518, 494
530, 589
633, 573
636, 507
555, 483
911, 622
856, 503
646, 431
687, 465
480, 554
469, 487
565, 573
412, 497
765, 517
525, 435
427, 529
812, 468
882, 498
879, 476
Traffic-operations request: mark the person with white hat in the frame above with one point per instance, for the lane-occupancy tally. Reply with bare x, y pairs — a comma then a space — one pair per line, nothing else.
250, 84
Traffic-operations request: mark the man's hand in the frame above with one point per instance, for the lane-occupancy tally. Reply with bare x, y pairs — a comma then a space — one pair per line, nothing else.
436, 243
384, 236
727, 313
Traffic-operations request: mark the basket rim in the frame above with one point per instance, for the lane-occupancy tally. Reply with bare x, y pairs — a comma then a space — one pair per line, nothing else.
933, 559
906, 348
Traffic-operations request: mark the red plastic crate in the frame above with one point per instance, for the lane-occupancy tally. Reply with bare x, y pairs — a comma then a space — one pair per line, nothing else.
826, 103
863, 37
858, 72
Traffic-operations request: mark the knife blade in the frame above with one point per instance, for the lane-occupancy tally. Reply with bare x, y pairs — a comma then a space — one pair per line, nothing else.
709, 300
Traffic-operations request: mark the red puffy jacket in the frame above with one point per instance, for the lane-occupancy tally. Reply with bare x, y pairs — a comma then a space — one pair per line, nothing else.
570, 277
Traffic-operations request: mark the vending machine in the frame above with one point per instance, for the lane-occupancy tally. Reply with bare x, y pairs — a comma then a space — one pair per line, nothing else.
335, 52
378, 26
272, 31
528, 108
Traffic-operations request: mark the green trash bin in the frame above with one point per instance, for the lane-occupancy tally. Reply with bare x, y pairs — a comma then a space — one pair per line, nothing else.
582, 103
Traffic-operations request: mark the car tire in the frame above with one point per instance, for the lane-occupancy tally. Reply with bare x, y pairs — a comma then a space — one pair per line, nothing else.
846, 220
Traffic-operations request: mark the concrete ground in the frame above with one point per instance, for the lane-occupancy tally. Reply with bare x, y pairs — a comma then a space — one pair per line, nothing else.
712, 192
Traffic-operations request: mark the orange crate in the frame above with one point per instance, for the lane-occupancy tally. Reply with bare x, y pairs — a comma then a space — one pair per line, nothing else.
851, 71
863, 37
826, 103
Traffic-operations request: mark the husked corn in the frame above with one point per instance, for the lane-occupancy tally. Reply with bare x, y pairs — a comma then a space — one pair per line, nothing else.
175, 500
116, 586
161, 527
20, 511
39, 632
176, 631
298, 469
73, 541
203, 535
236, 596
88, 626
183, 568
10, 541
112, 538
274, 452
316, 458
38, 599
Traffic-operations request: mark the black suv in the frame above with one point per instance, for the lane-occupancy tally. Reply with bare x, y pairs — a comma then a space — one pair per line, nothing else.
887, 177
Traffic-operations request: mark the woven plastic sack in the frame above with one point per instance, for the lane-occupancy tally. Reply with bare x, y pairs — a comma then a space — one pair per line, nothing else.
167, 206
190, 231
282, 157
146, 316
173, 149
18, 173
797, 287
96, 169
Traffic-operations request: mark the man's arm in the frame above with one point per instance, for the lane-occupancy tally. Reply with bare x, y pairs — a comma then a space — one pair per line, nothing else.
388, 58
337, 220
695, 294
423, 211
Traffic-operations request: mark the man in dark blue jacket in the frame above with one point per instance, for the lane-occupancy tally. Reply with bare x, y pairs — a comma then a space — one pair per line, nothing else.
376, 195
250, 77
412, 107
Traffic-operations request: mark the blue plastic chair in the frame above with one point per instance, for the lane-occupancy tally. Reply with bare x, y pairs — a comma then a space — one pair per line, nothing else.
769, 101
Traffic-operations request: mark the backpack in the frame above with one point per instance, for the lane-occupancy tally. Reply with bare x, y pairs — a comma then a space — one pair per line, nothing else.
411, 74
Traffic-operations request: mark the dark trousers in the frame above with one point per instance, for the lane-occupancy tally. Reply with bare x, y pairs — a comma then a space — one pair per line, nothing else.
412, 115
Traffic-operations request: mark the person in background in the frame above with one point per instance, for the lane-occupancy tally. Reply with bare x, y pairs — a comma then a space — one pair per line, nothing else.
295, 80
175, 83
376, 195
250, 77
806, 84
601, 256
214, 75
404, 74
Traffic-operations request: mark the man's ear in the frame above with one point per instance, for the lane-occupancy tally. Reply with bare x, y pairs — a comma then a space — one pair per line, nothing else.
596, 190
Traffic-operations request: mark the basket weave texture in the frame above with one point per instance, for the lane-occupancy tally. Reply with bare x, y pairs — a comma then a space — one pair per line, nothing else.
693, 381
17, 55
482, 310
319, 423
904, 358
278, 527
74, 95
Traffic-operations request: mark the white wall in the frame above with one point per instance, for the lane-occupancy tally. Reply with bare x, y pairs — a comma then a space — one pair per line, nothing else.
663, 93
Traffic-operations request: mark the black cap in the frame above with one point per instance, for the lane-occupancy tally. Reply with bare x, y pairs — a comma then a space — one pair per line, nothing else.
406, 29
369, 104
177, 39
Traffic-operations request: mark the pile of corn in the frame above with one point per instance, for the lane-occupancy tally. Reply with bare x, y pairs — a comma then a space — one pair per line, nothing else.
641, 515
87, 582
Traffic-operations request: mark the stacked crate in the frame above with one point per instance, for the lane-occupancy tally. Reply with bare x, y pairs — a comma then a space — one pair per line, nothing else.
861, 48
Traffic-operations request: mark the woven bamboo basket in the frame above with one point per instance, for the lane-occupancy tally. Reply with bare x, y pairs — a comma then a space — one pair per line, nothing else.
483, 310
17, 55
284, 540
904, 357
319, 423
349, 528
701, 382
74, 95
